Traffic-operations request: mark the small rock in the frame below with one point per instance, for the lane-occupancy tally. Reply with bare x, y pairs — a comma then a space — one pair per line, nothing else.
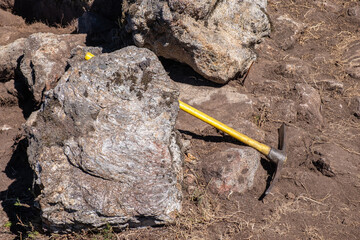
333, 160
351, 57
189, 179
354, 13
191, 190
323, 166
332, 85
290, 196
292, 69
232, 170
310, 102
10, 57
8, 96
288, 29
355, 107
185, 145
10, 87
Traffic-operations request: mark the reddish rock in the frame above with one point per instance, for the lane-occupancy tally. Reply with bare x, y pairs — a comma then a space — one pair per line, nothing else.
232, 170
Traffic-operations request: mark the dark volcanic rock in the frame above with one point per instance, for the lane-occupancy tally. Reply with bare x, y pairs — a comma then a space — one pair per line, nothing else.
103, 144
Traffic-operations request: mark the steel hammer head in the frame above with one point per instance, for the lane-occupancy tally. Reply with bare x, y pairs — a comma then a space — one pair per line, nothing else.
278, 156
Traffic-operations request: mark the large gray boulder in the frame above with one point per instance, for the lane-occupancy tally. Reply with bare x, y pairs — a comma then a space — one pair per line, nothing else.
215, 38
103, 145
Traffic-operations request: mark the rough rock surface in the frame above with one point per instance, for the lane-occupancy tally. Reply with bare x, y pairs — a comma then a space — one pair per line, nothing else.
310, 103
8, 93
235, 171
10, 57
352, 59
103, 145
328, 162
293, 68
40, 59
290, 31
214, 37
45, 59
354, 12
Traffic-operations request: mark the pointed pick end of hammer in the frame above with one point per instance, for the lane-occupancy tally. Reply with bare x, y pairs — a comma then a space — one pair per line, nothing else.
278, 156
275, 178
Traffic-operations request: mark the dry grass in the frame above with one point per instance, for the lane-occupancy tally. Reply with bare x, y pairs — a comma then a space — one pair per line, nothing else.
302, 205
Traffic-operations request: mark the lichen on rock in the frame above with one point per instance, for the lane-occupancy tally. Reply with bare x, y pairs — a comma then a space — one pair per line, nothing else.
103, 144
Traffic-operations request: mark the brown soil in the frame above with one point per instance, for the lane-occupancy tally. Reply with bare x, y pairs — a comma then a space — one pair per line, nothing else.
318, 194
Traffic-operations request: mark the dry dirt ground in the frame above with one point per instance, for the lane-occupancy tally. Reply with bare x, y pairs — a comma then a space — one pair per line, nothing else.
318, 194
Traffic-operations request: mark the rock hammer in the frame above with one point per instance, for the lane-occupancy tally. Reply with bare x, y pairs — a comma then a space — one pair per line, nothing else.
277, 156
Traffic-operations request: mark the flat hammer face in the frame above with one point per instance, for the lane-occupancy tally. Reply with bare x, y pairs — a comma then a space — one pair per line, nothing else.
278, 156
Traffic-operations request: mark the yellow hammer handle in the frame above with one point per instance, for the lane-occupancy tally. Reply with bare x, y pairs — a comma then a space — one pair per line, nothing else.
264, 149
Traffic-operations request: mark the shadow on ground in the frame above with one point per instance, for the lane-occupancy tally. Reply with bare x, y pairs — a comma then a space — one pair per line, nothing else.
182, 73
212, 138
18, 200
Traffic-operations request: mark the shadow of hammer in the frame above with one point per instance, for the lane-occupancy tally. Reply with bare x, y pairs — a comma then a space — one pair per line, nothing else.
276, 156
